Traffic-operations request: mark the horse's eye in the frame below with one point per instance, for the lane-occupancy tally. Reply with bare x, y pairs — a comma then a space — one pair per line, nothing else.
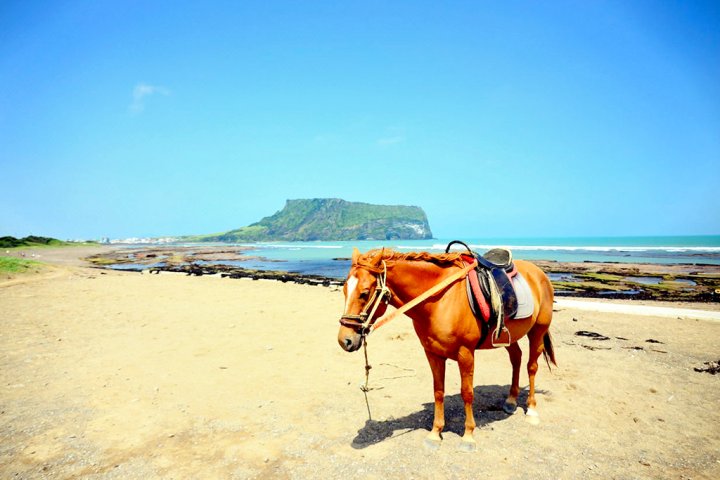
364, 294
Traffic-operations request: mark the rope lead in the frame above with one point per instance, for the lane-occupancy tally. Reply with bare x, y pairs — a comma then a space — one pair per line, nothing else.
365, 387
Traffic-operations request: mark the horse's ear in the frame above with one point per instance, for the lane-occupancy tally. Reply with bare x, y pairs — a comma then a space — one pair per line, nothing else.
380, 257
355, 255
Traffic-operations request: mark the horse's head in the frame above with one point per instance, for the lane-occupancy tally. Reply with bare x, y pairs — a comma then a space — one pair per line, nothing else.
366, 298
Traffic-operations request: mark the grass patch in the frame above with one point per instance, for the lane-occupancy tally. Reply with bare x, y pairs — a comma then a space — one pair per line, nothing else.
705, 276
103, 260
17, 265
669, 287
590, 286
602, 277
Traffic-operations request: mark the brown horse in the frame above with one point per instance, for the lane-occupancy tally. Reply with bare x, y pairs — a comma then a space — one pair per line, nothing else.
444, 322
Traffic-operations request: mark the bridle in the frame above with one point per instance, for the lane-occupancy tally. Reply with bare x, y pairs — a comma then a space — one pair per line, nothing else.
363, 321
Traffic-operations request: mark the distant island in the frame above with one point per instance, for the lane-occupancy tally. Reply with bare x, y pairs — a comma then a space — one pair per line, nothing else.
330, 219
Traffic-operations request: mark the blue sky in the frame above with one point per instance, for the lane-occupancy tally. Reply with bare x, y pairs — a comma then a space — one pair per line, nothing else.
498, 118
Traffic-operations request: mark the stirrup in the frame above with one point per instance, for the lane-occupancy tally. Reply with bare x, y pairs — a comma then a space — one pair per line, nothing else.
496, 336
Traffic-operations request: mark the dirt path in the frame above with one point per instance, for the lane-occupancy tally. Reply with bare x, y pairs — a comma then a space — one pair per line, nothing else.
111, 375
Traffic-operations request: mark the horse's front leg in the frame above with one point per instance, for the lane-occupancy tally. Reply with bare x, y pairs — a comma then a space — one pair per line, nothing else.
466, 363
437, 365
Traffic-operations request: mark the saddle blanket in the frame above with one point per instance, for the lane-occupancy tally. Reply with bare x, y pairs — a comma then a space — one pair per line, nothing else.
480, 305
526, 303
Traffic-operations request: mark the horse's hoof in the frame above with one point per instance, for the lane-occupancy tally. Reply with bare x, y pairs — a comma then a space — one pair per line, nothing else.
532, 417
432, 444
509, 408
467, 446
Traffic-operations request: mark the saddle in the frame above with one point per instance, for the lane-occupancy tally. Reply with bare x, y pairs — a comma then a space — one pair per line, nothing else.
491, 292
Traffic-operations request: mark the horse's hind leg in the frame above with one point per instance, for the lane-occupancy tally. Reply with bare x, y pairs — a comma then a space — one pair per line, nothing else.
535, 335
515, 353
437, 365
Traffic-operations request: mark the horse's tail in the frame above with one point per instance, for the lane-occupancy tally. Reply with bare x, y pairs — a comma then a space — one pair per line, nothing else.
548, 351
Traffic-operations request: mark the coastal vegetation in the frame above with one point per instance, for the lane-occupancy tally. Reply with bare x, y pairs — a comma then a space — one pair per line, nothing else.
29, 241
17, 265
34, 241
330, 219
14, 250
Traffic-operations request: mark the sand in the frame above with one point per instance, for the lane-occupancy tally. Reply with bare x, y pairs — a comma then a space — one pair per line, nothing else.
699, 311
122, 375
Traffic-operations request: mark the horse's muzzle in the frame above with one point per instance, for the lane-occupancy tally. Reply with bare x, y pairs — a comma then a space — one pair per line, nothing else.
349, 340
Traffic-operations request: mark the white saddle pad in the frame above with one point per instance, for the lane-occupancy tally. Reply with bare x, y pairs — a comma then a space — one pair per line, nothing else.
526, 302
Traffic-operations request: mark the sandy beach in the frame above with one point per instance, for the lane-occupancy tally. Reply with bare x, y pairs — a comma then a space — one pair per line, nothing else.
108, 374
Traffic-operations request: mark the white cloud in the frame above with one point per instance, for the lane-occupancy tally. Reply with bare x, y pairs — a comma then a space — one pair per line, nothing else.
143, 90
393, 135
391, 140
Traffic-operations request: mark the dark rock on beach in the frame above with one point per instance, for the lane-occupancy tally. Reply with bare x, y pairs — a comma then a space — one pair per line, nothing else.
636, 281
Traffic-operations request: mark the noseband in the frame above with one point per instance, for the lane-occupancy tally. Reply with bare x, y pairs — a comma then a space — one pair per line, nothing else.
365, 319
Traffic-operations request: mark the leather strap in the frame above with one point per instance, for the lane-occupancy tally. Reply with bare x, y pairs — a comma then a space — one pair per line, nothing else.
423, 296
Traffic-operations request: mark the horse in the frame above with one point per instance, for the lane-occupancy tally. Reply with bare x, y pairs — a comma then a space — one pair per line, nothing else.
433, 286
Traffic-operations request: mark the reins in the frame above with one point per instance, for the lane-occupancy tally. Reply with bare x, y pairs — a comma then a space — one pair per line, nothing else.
365, 321
423, 296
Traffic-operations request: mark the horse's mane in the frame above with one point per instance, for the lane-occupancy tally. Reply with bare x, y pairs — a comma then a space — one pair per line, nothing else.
372, 260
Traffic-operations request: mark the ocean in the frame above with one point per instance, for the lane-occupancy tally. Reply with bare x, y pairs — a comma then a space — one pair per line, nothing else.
331, 259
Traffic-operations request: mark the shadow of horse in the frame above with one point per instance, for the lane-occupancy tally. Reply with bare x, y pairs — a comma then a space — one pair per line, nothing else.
488, 403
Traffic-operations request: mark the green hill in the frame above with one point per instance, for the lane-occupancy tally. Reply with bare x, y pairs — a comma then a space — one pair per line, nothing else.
31, 241
331, 219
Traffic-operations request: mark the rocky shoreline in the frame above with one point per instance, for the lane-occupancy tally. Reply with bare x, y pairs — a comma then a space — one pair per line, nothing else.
191, 261
636, 281
237, 272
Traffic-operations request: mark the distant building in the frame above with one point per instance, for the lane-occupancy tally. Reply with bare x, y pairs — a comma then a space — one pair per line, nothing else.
143, 241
